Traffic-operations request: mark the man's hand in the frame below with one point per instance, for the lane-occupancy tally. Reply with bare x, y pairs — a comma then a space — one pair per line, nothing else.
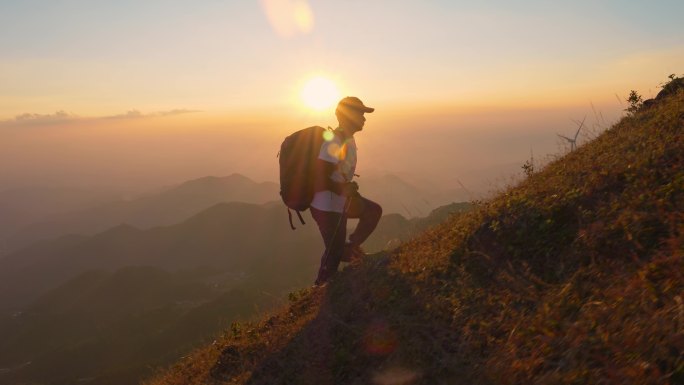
350, 189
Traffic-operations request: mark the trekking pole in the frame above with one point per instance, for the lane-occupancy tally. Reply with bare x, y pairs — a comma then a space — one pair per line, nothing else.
347, 203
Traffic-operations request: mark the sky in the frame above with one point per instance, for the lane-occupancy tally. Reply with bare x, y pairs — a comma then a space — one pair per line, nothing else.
142, 93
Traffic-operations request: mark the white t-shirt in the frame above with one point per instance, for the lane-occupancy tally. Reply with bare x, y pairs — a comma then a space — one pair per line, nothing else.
343, 154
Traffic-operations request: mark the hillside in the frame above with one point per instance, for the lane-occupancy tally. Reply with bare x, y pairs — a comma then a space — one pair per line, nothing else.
575, 276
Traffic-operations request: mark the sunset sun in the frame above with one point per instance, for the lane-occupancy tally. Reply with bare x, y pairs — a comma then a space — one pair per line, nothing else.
319, 93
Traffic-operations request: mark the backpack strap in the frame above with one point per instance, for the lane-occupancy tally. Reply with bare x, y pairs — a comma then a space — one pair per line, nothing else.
289, 216
300, 217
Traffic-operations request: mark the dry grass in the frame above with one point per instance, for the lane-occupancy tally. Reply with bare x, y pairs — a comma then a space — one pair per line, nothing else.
574, 276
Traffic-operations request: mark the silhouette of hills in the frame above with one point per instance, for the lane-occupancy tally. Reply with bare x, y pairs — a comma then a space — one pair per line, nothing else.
76, 307
227, 236
108, 327
167, 207
408, 199
394, 229
175, 204
20, 207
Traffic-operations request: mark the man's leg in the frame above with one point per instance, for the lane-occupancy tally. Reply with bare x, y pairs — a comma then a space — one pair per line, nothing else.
333, 228
368, 213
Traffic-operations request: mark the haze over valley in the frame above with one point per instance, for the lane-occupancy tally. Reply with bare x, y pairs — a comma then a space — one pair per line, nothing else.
164, 289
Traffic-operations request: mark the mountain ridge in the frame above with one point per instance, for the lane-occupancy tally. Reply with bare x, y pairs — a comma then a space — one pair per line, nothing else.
201, 240
173, 204
110, 326
226, 235
141, 304
166, 207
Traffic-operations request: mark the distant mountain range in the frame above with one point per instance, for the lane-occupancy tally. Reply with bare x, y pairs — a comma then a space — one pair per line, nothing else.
114, 325
20, 207
63, 214
394, 229
167, 207
114, 303
397, 196
237, 237
77, 306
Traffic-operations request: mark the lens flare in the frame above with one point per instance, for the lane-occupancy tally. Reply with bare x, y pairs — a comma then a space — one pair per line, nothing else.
328, 136
334, 150
289, 18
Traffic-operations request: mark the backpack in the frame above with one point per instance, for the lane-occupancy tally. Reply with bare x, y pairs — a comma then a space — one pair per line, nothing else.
297, 157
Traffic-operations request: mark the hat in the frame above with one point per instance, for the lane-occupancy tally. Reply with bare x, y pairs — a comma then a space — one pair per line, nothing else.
353, 103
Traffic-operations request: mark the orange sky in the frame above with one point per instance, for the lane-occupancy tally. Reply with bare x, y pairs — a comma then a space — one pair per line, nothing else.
138, 94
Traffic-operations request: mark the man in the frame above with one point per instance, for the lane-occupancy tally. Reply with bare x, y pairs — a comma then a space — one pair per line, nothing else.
337, 197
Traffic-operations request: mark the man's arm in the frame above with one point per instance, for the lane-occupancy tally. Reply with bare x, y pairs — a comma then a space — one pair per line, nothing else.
323, 171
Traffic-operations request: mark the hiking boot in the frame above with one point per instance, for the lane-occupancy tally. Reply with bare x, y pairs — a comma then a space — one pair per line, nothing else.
324, 278
352, 253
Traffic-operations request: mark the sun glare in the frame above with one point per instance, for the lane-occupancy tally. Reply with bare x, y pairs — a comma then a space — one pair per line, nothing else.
319, 93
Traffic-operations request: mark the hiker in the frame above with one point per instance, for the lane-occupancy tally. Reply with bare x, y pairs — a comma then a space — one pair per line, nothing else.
336, 196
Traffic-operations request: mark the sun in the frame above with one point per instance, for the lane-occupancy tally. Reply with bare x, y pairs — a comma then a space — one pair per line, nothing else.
319, 93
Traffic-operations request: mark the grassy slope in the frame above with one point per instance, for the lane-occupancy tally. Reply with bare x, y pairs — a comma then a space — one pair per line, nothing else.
574, 276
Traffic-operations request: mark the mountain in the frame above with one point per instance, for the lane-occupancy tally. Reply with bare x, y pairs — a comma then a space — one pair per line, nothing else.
226, 236
167, 207
573, 276
408, 199
394, 229
110, 327
177, 203
21, 206
80, 305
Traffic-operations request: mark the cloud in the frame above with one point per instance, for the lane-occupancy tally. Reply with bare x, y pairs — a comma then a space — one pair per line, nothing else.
41, 119
132, 114
135, 114
176, 112
33, 119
